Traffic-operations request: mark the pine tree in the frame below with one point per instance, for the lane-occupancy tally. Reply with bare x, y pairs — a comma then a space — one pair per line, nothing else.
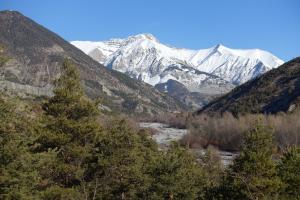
289, 172
212, 165
67, 131
18, 175
176, 175
213, 169
253, 173
119, 162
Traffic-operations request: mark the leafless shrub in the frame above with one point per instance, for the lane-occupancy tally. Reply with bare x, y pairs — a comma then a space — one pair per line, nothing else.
191, 141
226, 132
175, 120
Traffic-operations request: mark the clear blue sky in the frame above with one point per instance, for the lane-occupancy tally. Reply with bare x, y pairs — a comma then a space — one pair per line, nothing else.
272, 25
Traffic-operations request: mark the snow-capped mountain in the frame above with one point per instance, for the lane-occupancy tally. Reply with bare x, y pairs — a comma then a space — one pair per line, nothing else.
208, 71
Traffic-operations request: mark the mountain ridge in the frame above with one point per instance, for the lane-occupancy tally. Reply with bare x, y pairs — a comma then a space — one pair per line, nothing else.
192, 57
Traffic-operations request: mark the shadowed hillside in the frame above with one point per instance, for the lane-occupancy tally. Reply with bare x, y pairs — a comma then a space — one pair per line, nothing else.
276, 91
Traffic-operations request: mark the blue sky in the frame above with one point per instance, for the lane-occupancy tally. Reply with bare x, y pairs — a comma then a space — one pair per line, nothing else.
272, 25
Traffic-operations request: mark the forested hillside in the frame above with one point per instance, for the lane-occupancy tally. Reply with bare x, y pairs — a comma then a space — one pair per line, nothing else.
275, 91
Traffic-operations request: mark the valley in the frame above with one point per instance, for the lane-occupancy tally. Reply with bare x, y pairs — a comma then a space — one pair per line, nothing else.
83, 117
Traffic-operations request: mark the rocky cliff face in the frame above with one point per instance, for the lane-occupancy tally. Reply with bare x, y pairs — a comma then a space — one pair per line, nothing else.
36, 56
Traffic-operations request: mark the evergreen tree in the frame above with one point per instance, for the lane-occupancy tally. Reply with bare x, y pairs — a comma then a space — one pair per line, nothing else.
212, 165
18, 175
253, 173
289, 172
213, 170
67, 131
119, 162
176, 175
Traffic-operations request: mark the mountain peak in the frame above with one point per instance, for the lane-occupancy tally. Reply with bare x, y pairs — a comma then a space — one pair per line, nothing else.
149, 36
10, 13
219, 47
144, 36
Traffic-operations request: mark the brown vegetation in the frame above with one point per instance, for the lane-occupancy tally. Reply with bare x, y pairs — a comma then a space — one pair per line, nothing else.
175, 120
226, 132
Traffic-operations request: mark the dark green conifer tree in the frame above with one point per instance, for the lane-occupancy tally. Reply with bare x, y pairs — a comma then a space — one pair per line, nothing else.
176, 175
67, 133
253, 173
289, 172
18, 175
119, 162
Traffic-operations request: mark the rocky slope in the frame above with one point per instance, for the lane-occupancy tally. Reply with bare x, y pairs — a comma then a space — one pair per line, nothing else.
276, 91
208, 72
36, 56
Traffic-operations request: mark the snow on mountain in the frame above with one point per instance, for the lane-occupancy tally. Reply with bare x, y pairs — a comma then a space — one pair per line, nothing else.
144, 57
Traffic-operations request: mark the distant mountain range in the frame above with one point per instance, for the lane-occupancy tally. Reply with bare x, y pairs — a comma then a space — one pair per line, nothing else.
36, 57
275, 91
200, 75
